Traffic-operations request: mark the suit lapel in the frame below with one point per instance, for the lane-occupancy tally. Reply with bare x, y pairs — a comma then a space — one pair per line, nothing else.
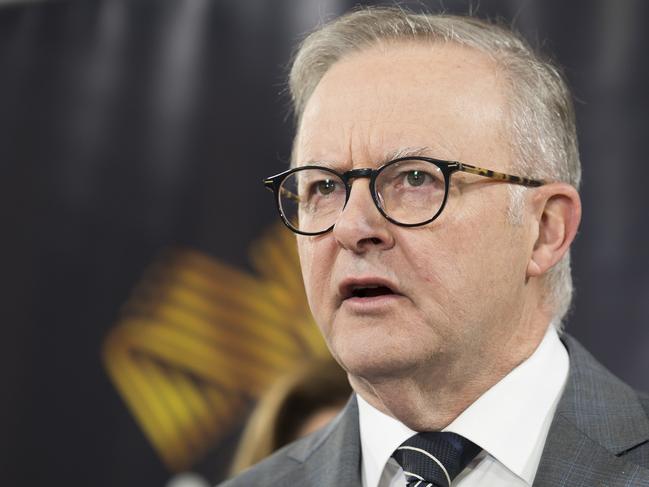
598, 418
333, 458
571, 458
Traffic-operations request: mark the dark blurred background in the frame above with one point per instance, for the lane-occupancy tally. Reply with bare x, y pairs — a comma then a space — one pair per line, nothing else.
127, 127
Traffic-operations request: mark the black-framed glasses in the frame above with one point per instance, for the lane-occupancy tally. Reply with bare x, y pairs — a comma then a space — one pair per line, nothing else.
408, 191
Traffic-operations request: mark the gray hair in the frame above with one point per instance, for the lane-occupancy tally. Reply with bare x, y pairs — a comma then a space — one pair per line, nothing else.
541, 114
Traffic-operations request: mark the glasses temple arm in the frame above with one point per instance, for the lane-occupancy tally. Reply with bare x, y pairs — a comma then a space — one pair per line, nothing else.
500, 176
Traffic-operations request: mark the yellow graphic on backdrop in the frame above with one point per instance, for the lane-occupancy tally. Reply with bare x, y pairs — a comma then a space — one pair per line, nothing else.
198, 339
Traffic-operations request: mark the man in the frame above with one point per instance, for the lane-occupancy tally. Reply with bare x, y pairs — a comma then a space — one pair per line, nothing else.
434, 194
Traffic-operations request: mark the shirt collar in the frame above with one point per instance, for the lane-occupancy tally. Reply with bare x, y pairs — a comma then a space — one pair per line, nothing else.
510, 421
380, 436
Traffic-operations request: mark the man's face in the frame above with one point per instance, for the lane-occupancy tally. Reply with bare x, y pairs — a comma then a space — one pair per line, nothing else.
456, 286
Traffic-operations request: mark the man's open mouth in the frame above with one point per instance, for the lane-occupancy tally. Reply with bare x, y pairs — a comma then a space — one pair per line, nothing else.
370, 291
366, 288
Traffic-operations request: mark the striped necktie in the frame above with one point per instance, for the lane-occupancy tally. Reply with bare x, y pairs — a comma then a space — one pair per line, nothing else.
434, 459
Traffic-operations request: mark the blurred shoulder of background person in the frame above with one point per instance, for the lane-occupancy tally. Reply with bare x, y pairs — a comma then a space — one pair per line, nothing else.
298, 404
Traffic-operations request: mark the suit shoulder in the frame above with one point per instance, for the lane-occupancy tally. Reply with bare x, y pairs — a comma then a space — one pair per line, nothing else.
274, 470
643, 397
312, 458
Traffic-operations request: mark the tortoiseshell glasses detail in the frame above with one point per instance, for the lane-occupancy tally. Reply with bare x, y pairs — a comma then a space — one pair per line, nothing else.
408, 191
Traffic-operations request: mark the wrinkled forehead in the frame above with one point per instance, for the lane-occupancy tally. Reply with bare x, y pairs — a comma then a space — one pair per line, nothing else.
393, 97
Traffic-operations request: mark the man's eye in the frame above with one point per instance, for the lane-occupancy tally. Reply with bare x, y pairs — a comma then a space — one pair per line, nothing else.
416, 178
326, 186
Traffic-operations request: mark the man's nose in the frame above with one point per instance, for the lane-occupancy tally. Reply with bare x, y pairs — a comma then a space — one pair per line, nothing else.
361, 227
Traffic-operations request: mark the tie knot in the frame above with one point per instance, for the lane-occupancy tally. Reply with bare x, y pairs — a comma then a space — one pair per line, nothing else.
434, 458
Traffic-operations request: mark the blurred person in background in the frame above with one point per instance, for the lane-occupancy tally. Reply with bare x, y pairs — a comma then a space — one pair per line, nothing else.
298, 404
434, 194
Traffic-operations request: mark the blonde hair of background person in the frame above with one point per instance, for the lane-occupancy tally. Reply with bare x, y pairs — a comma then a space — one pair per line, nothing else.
297, 404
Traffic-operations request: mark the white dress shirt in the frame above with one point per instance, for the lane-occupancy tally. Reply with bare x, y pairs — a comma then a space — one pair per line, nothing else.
510, 422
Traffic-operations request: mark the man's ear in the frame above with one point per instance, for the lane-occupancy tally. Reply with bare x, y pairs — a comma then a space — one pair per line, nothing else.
557, 212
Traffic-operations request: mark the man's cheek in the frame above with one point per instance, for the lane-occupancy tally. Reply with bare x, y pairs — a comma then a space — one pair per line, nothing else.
306, 259
315, 287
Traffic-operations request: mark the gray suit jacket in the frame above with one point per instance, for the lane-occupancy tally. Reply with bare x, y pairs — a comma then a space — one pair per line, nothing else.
599, 437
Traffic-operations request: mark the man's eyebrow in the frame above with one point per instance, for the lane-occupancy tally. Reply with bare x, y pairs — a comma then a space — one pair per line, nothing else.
387, 157
407, 152
328, 163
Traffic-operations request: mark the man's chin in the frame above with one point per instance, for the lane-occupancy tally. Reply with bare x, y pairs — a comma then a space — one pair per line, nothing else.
375, 366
